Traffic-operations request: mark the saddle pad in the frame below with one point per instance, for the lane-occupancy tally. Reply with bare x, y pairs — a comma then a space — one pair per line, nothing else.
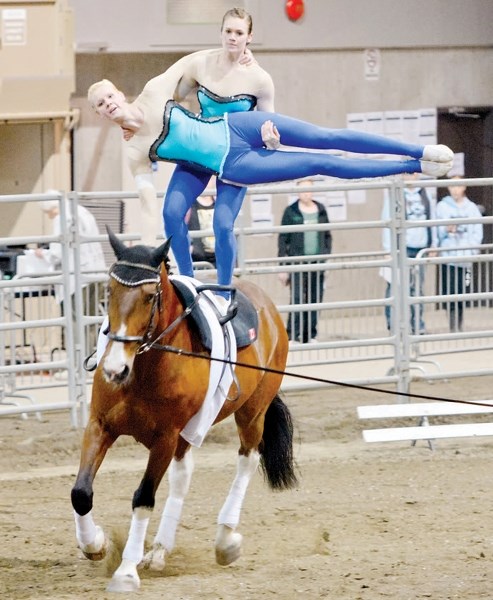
245, 322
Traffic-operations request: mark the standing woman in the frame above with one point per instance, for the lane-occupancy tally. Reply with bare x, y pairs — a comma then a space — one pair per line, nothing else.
222, 83
306, 287
457, 242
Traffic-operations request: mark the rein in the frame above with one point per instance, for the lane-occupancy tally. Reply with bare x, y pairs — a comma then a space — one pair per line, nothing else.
354, 386
148, 345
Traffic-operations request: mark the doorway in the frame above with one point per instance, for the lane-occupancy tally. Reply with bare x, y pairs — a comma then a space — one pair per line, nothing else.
469, 130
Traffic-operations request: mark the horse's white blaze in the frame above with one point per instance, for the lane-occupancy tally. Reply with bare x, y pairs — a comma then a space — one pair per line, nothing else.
116, 358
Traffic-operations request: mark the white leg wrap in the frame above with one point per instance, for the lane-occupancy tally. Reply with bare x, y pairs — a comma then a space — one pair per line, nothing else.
230, 512
166, 533
85, 529
134, 548
179, 476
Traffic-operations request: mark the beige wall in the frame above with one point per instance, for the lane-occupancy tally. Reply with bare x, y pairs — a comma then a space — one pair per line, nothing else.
36, 57
37, 78
327, 24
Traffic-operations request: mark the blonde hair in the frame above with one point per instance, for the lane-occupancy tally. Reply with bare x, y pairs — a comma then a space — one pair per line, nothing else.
95, 86
238, 13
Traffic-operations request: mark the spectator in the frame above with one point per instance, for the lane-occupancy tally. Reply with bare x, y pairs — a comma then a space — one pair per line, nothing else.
91, 260
306, 287
456, 241
418, 207
200, 218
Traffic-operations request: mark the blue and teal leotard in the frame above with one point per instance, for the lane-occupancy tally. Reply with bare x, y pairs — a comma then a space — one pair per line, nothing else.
231, 147
212, 105
189, 140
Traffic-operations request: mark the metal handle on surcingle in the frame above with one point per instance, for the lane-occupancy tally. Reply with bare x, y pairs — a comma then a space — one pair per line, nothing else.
216, 287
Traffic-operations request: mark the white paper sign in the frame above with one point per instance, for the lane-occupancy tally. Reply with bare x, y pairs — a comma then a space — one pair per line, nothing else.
14, 27
372, 64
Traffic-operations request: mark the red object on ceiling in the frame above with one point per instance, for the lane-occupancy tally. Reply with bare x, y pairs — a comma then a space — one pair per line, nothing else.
295, 9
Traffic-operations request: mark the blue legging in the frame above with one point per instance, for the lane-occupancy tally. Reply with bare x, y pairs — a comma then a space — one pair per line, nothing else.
184, 187
249, 163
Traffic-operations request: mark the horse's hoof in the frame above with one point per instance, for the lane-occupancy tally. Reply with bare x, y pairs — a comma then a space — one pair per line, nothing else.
98, 549
95, 556
230, 551
155, 559
123, 584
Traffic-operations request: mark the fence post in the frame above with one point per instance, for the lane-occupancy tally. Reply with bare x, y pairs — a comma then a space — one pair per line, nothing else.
401, 292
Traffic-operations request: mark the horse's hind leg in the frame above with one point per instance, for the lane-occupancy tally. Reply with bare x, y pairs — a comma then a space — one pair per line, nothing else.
271, 431
179, 477
228, 541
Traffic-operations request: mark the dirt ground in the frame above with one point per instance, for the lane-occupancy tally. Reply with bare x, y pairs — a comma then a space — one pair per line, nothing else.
368, 521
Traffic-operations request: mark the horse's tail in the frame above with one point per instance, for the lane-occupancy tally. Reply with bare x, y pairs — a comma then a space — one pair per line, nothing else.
276, 450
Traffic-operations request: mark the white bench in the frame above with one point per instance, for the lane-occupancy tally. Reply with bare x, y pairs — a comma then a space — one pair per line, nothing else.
421, 411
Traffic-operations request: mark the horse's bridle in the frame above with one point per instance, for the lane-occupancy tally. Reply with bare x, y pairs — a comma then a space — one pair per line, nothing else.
146, 340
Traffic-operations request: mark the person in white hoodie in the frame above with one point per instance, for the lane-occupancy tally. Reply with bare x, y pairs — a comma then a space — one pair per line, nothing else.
91, 257
457, 241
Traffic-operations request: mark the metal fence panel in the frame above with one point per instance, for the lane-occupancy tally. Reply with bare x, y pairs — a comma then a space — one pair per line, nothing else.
41, 349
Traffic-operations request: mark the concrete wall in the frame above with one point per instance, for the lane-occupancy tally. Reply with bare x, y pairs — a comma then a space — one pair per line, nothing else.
123, 26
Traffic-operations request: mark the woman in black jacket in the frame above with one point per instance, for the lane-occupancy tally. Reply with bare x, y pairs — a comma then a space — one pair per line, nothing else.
307, 287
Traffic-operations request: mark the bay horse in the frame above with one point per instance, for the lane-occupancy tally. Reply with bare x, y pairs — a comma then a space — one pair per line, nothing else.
142, 391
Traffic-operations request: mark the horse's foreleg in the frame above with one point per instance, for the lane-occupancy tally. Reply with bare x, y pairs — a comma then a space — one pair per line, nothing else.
228, 541
126, 578
179, 477
90, 537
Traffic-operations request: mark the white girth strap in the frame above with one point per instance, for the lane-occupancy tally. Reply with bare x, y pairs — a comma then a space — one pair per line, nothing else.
221, 375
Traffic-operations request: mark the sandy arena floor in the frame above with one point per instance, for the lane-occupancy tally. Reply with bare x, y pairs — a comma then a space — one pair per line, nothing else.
367, 521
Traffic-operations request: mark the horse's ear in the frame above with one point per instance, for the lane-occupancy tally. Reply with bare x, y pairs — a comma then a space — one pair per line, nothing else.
118, 246
160, 254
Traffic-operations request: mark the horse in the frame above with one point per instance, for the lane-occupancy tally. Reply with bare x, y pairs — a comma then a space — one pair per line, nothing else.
144, 391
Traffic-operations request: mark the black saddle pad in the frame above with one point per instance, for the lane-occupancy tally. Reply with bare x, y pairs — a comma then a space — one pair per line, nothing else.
245, 321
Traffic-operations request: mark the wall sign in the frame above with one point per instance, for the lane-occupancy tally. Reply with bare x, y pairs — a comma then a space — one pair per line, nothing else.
14, 27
